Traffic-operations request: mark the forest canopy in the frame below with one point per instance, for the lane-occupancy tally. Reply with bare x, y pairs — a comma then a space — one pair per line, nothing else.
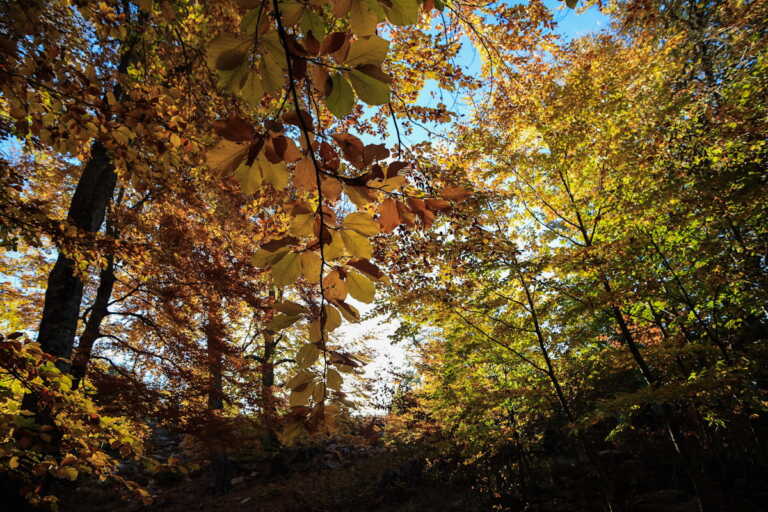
566, 231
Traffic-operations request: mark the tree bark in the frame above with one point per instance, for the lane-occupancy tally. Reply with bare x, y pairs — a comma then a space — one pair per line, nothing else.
93, 324
64, 293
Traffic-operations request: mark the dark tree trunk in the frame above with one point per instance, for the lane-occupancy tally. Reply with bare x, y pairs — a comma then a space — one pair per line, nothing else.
64, 293
221, 466
91, 333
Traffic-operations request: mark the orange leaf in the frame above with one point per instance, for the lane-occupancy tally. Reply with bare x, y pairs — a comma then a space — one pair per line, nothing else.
390, 218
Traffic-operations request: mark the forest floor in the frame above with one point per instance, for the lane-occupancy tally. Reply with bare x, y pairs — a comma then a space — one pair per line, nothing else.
337, 475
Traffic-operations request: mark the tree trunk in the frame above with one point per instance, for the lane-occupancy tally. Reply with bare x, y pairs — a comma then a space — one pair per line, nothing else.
64, 293
221, 466
98, 313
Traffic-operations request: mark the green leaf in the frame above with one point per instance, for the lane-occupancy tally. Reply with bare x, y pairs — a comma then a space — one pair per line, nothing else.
362, 19
271, 72
249, 178
253, 89
341, 99
312, 22
286, 270
360, 287
369, 89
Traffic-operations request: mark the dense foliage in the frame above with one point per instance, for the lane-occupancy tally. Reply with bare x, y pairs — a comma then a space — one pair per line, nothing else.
198, 196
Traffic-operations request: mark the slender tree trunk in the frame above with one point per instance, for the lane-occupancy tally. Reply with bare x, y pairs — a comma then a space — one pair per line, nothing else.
93, 324
269, 408
221, 466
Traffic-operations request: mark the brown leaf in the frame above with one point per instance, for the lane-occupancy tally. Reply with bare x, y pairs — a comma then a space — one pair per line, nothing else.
366, 267
311, 44
351, 147
320, 79
374, 153
333, 286
419, 206
455, 193
331, 189
333, 42
304, 175
437, 205
390, 217
305, 121
235, 129
279, 243
406, 215
329, 156
395, 167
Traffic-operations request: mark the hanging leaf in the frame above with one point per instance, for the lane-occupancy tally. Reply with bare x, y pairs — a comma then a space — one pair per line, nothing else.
403, 12
367, 50
307, 355
390, 218
357, 245
371, 90
287, 269
282, 321
300, 379
341, 99
311, 265
336, 249
334, 380
334, 287
332, 318
362, 19
362, 222
290, 308
360, 287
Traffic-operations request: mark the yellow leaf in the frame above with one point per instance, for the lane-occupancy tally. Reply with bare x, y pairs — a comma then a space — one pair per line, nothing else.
303, 225
362, 222
264, 258
300, 398
332, 318
286, 270
336, 249
290, 308
357, 245
311, 266
68, 473
301, 378
360, 287
334, 379
13, 463
249, 178
274, 174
